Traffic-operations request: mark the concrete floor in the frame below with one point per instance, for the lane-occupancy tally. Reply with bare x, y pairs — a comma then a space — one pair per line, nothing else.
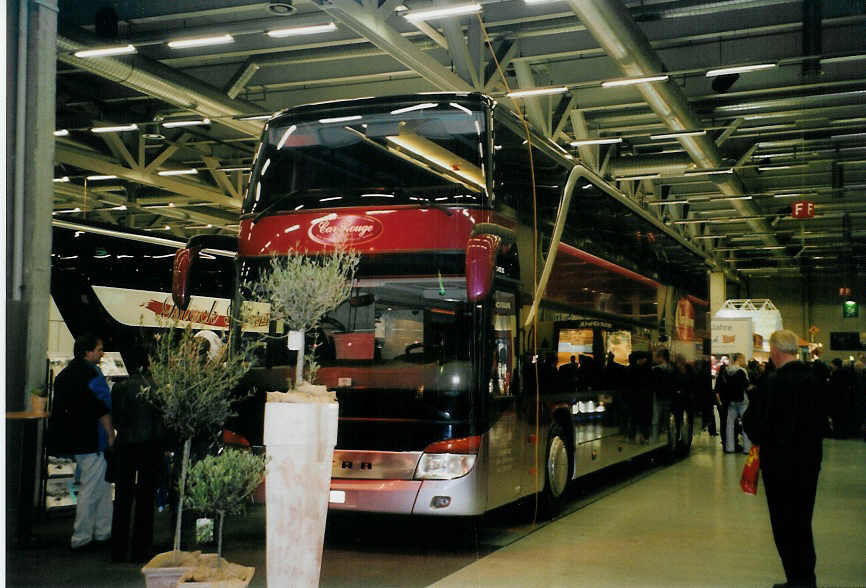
687, 524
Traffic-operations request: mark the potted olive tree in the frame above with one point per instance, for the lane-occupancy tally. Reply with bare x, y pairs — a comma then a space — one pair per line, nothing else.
302, 288
300, 426
194, 392
222, 485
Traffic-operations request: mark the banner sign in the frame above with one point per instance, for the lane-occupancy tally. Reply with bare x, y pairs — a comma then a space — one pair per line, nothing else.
684, 321
148, 308
732, 335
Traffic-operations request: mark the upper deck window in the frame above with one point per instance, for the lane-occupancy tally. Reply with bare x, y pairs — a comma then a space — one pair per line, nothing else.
373, 155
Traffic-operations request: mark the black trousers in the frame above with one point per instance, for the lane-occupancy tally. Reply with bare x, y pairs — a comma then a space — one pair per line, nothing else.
136, 474
791, 500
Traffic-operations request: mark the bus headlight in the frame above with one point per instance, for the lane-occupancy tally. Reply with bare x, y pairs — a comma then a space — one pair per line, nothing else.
443, 466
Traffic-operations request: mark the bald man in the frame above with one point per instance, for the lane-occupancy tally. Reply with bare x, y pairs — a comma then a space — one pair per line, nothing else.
787, 421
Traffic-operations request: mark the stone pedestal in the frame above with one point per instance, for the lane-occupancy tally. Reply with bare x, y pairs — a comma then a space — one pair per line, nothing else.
300, 440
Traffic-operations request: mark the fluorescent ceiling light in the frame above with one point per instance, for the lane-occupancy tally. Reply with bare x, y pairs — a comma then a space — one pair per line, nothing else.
640, 177
63, 179
676, 134
106, 51
711, 237
456, 10
424, 106
708, 172
67, 211
537, 92
782, 166
725, 71
340, 119
330, 198
602, 141
233, 169
254, 117
721, 198
201, 41
178, 172
308, 30
843, 58
838, 121
793, 194
108, 177
186, 123
767, 127
631, 81
61, 133
115, 128
847, 137
663, 202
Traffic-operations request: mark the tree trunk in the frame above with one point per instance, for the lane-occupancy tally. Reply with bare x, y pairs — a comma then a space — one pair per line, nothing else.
180, 491
222, 517
299, 364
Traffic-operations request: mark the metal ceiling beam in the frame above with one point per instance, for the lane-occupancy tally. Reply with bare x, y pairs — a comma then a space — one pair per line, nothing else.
535, 111
459, 51
611, 25
89, 161
76, 193
155, 79
370, 25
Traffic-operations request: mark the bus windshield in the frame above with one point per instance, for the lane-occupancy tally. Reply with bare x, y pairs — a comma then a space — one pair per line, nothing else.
397, 348
423, 153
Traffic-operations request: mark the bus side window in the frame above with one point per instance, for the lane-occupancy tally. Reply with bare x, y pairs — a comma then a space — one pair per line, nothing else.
502, 340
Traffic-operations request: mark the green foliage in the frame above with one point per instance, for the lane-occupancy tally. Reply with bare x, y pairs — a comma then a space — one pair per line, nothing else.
302, 288
193, 392
224, 483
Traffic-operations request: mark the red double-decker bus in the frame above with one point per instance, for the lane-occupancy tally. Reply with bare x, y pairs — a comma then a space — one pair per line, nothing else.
452, 357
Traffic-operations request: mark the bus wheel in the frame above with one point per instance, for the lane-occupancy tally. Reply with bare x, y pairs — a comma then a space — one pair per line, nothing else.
557, 470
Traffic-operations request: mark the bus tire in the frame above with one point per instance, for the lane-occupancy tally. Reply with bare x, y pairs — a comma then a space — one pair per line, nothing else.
557, 471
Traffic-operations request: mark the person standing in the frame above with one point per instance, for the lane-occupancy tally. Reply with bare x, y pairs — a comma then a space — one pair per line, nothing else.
737, 401
786, 421
73, 431
137, 462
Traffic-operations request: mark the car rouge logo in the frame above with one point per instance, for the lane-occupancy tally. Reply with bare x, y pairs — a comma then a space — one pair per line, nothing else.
345, 230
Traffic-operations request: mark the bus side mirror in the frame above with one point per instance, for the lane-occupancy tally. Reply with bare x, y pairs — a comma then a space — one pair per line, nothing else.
481, 251
181, 278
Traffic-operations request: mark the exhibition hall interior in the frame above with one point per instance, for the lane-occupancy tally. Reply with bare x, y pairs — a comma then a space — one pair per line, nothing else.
435, 293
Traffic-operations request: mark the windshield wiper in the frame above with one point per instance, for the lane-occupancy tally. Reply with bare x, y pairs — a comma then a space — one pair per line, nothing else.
273, 205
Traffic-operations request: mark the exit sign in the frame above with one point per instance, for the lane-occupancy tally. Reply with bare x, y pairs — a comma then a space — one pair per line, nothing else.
803, 209
850, 309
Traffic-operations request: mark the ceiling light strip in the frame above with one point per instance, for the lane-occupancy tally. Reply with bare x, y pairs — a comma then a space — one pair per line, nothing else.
537, 91
106, 51
632, 81
678, 134
296, 31
738, 69
600, 141
456, 10
200, 42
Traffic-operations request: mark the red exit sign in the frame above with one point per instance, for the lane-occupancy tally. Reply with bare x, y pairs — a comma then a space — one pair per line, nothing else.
803, 209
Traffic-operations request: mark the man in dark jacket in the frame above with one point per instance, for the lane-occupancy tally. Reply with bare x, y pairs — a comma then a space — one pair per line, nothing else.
137, 462
73, 431
786, 421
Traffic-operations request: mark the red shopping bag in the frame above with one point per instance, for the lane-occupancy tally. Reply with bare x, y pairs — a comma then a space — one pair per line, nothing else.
749, 479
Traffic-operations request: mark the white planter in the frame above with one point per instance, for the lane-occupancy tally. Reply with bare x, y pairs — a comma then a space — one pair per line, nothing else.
300, 440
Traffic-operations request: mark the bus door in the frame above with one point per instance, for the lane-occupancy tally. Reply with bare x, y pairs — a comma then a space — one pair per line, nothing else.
505, 444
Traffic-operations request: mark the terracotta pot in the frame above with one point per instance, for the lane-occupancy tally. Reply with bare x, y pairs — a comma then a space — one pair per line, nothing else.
165, 569
208, 575
38, 403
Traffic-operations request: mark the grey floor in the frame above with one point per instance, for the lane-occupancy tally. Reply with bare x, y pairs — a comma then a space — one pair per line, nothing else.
686, 524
